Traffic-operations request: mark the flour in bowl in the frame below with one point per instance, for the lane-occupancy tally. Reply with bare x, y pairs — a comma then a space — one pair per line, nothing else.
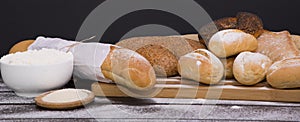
37, 57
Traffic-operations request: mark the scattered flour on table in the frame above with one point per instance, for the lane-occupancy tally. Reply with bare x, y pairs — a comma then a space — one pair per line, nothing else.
65, 95
36, 57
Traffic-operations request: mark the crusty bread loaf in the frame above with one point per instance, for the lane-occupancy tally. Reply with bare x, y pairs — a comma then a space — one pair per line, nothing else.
250, 68
285, 73
230, 42
122, 66
21, 46
202, 66
128, 68
228, 63
176, 45
296, 40
277, 45
164, 63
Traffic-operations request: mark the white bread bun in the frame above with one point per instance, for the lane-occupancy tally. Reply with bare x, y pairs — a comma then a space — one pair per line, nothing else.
250, 68
202, 66
285, 73
231, 42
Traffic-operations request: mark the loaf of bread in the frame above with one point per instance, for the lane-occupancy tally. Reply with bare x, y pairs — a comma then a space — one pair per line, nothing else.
164, 49
285, 73
128, 68
250, 68
202, 66
21, 46
230, 42
277, 45
296, 40
122, 66
247, 22
228, 64
164, 63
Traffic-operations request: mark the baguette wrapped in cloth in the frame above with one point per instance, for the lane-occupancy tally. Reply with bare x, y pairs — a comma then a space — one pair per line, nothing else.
95, 61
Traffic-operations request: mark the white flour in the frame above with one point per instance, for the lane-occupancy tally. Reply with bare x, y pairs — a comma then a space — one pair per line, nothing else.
37, 57
66, 95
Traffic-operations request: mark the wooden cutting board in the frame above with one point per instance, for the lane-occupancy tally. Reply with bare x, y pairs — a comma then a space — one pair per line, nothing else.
175, 87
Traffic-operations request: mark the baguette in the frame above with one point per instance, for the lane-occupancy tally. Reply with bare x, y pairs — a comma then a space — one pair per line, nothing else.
296, 40
285, 73
122, 66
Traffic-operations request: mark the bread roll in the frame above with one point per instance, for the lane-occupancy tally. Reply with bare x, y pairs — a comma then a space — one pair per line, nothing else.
230, 42
250, 68
202, 66
163, 47
122, 66
164, 63
296, 40
128, 68
277, 45
285, 73
21, 46
228, 63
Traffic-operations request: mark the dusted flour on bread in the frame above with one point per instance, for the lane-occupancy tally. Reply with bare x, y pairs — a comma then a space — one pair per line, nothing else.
37, 57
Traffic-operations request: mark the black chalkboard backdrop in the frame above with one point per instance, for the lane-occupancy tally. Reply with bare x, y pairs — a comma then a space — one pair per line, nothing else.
26, 19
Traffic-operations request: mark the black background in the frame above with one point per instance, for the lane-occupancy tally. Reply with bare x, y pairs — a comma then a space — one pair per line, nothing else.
26, 19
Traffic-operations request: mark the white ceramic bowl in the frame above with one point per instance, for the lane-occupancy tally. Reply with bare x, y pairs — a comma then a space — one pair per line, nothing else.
32, 80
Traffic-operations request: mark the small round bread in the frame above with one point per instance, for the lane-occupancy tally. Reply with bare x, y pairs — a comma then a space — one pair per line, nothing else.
21, 46
228, 64
250, 68
285, 73
202, 66
162, 60
230, 42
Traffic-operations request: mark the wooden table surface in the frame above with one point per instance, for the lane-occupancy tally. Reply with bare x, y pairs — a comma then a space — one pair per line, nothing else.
14, 108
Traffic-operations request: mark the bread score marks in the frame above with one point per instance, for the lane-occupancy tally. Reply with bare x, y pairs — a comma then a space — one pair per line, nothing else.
251, 68
277, 45
202, 66
230, 42
285, 73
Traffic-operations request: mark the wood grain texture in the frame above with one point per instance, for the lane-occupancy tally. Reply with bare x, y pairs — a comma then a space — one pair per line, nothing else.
228, 90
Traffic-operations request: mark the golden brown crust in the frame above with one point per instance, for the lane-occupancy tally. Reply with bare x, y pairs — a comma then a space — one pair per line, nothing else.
228, 64
162, 60
21, 46
285, 73
128, 68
